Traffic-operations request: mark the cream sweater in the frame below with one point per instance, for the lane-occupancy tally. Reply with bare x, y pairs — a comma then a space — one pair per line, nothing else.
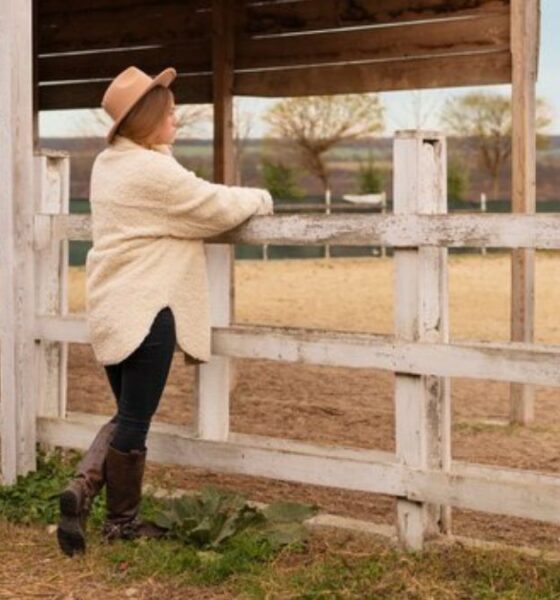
149, 218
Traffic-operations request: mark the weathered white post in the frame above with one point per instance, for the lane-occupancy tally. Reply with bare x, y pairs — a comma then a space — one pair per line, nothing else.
17, 402
422, 403
214, 378
52, 197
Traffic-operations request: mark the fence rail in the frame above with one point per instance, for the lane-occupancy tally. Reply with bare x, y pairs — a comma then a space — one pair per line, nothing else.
508, 361
399, 231
511, 492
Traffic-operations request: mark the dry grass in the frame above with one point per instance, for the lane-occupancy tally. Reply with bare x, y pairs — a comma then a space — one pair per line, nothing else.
357, 294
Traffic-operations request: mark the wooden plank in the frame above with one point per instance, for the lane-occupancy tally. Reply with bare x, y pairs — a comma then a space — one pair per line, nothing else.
195, 89
508, 361
194, 56
52, 196
511, 492
56, 7
214, 378
524, 43
118, 26
454, 231
17, 406
312, 15
422, 403
422, 39
462, 70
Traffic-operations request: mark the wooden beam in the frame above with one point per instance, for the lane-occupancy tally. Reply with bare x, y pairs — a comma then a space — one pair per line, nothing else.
312, 15
453, 71
214, 378
190, 57
524, 28
507, 361
117, 26
57, 7
513, 492
17, 309
196, 89
422, 39
438, 38
453, 231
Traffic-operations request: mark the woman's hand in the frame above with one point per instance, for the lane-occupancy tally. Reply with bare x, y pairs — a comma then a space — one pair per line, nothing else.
267, 205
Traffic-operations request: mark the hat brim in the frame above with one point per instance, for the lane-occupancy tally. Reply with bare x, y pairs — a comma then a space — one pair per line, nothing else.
165, 78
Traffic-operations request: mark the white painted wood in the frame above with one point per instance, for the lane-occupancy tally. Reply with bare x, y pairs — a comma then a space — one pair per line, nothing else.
524, 50
215, 378
212, 382
17, 406
52, 182
421, 402
507, 361
475, 230
511, 492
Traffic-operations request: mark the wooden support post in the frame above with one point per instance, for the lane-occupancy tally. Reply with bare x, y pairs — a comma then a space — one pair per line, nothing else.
524, 48
17, 315
422, 403
214, 378
52, 197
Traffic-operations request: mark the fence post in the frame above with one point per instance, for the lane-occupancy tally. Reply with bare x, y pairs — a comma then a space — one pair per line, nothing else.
17, 405
422, 403
215, 379
52, 197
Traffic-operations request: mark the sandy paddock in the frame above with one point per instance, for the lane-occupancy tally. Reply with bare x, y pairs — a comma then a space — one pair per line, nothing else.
354, 407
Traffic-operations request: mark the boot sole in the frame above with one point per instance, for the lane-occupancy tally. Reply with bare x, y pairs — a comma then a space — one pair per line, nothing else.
70, 535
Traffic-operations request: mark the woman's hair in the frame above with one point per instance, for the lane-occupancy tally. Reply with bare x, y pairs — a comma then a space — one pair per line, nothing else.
146, 115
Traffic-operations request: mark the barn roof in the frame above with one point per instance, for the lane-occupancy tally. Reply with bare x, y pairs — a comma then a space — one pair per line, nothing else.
281, 47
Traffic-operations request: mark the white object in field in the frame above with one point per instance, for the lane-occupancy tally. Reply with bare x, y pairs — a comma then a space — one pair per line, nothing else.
372, 199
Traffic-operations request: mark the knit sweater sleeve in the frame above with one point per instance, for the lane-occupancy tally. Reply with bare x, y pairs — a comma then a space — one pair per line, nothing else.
197, 208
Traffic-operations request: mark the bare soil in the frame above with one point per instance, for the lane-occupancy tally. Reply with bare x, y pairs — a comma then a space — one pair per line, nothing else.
354, 407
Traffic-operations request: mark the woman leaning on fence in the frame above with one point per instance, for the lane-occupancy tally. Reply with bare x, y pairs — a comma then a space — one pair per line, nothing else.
147, 289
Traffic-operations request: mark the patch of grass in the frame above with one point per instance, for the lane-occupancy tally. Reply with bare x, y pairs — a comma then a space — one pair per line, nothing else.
173, 560
326, 567
447, 574
32, 499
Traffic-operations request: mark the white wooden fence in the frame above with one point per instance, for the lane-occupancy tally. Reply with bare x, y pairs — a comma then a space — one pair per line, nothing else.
421, 474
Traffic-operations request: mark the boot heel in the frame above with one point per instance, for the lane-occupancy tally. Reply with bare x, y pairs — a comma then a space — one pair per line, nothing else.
70, 535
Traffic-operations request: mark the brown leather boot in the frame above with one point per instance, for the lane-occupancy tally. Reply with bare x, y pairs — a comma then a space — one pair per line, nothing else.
125, 471
76, 499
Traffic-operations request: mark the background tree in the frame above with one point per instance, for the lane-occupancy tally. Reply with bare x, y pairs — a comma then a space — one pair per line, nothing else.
279, 179
458, 180
487, 118
191, 118
242, 128
371, 179
315, 124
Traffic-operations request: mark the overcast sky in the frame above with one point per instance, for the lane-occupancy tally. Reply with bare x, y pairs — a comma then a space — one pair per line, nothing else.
399, 105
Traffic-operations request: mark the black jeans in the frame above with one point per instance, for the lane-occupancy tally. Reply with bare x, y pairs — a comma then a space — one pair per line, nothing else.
138, 382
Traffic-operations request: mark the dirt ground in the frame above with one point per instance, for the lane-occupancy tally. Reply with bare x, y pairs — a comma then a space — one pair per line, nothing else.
354, 407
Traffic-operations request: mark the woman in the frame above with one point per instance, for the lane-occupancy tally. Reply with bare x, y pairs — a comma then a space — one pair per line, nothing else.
146, 286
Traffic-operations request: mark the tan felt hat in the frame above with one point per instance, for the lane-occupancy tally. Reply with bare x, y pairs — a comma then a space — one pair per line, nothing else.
128, 87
